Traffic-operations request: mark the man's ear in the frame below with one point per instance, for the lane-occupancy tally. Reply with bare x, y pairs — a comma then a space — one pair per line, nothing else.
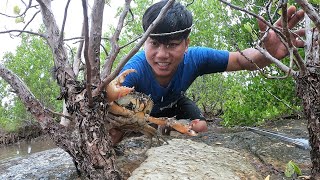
187, 44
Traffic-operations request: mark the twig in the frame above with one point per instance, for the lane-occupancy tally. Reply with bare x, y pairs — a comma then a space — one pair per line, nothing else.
24, 31
312, 13
114, 41
256, 16
86, 54
35, 14
59, 114
24, 12
64, 20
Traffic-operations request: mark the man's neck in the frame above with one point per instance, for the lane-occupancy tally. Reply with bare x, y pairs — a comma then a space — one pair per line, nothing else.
164, 81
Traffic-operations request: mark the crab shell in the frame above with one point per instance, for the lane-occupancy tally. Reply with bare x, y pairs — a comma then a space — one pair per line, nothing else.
137, 102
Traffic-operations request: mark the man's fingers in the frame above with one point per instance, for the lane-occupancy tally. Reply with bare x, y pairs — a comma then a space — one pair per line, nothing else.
262, 25
290, 12
295, 19
299, 42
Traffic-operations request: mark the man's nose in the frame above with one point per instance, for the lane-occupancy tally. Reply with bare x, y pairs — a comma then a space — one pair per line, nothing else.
163, 51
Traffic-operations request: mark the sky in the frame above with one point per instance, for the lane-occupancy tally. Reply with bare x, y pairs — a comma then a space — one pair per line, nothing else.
73, 24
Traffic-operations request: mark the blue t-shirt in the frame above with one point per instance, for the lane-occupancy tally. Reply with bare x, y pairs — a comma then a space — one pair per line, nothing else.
196, 62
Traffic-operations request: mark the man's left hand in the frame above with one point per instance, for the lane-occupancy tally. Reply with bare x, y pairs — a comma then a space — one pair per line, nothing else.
272, 42
198, 125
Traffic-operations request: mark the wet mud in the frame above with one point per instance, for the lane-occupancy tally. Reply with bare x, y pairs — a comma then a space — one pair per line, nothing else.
269, 156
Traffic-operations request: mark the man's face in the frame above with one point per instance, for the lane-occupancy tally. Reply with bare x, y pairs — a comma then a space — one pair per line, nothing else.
165, 58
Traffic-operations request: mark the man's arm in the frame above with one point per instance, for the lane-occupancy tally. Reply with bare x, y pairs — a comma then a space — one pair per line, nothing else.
243, 61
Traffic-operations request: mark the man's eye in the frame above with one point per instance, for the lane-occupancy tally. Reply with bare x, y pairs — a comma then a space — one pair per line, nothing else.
154, 43
172, 45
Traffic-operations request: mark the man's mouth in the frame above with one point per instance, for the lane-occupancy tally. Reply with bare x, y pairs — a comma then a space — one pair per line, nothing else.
161, 64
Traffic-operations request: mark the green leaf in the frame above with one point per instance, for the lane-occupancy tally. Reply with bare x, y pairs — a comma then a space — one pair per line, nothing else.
19, 19
16, 10
248, 27
315, 2
107, 2
291, 169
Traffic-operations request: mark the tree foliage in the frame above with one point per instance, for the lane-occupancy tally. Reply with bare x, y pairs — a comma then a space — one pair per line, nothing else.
32, 61
239, 98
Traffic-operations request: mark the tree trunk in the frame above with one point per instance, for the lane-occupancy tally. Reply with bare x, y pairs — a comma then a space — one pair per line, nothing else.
308, 89
86, 138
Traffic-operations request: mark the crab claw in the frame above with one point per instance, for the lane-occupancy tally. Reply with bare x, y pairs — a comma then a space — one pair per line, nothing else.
184, 129
181, 126
115, 90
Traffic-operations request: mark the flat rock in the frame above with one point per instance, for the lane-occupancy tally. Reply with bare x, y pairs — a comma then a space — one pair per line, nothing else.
186, 159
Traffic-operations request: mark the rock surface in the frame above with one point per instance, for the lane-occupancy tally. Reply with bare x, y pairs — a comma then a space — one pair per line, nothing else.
50, 164
215, 154
186, 159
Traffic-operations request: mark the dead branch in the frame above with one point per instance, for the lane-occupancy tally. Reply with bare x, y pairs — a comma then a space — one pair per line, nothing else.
114, 41
27, 24
24, 12
64, 20
77, 58
292, 49
284, 34
26, 96
63, 70
24, 31
310, 11
86, 52
282, 66
95, 40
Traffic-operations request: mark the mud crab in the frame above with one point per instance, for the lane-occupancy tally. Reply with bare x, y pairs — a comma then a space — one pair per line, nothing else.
136, 108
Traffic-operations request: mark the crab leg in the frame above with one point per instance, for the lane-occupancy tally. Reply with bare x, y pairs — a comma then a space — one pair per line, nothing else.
180, 127
118, 110
115, 90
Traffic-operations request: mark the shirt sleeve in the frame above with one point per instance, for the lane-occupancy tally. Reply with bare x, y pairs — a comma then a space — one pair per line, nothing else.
208, 60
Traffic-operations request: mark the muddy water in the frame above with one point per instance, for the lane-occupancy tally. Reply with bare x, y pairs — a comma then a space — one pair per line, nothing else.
36, 159
24, 148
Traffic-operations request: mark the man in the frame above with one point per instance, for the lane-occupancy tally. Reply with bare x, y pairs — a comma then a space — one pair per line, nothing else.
167, 66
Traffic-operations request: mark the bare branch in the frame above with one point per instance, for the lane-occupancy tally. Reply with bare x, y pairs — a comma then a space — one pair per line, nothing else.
256, 16
28, 99
86, 52
23, 31
283, 67
60, 114
35, 14
64, 20
130, 42
114, 41
24, 12
77, 58
63, 70
291, 47
95, 40
312, 13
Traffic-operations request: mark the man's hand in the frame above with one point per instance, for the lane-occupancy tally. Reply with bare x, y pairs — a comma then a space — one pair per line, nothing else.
272, 42
199, 126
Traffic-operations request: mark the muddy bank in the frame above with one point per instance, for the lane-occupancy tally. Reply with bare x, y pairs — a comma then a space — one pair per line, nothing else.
26, 132
267, 156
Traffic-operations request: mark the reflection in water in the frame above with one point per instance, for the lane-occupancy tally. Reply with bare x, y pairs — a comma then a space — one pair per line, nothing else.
24, 148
